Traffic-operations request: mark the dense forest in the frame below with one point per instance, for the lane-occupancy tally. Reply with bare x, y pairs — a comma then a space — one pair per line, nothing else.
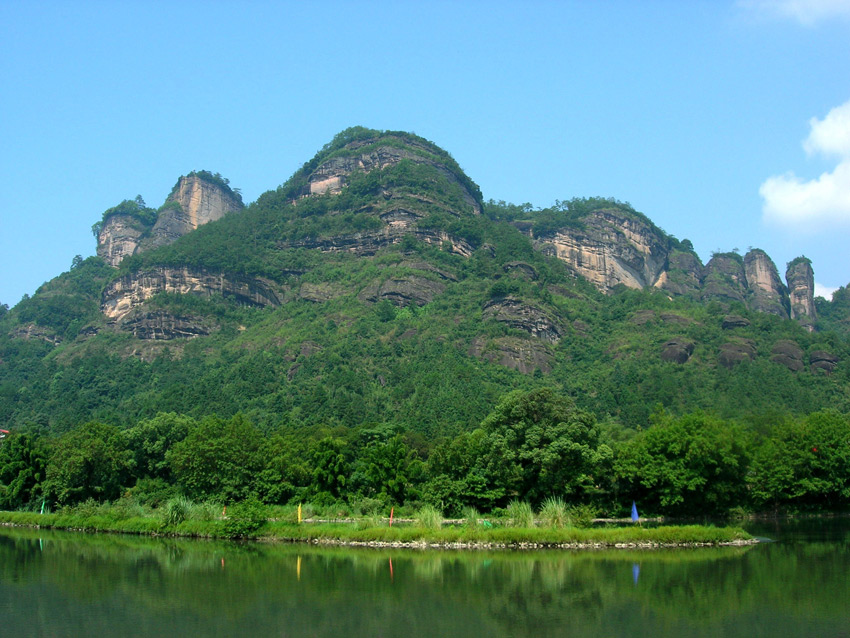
381, 333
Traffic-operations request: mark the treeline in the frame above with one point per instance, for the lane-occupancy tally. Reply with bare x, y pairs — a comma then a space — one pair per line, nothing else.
535, 445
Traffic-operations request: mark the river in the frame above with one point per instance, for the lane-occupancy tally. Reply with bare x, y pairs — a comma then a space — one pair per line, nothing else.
56, 584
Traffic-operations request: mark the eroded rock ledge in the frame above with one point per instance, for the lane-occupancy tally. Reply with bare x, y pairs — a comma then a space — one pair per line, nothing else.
131, 291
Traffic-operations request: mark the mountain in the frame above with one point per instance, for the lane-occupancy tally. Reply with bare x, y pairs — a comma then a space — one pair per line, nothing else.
377, 285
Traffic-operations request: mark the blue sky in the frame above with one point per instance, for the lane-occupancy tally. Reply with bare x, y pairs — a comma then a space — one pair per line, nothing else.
727, 123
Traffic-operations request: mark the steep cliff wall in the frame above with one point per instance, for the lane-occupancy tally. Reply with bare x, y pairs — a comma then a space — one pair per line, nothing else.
193, 203
801, 289
611, 247
765, 290
119, 237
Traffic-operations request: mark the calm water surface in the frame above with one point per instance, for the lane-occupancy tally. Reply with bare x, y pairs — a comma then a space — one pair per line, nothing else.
62, 584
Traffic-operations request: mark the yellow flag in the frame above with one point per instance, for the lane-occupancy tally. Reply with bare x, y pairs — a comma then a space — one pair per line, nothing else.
299, 513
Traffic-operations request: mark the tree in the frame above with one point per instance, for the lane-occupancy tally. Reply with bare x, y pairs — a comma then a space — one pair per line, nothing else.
386, 468
151, 439
91, 461
23, 460
695, 464
804, 463
218, 459
539, 444
330, 467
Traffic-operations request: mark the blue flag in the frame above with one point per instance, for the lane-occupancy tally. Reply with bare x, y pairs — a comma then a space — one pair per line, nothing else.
635, 516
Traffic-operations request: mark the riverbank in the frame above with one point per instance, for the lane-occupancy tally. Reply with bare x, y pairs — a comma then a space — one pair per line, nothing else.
360, 534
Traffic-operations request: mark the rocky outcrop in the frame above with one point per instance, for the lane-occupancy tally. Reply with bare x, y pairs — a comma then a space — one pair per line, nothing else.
677, 350
160, 325
366, 244
193, 203
765, 290
801, 290
822, 361
119, 237
789, 354
684, 273
521, 270
404, 291
725, 279
33, 331
131, 291
526, 317
379, 153
320, 292
734, 352
524, 355
611, 247
730, 322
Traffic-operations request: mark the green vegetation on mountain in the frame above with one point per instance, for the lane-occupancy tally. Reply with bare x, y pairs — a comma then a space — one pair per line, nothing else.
374, 330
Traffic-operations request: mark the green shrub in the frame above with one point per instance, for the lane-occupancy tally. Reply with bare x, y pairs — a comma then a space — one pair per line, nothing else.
582, 515
245, 519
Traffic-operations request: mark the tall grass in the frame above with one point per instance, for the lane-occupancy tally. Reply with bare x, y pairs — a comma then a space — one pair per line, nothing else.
470, 517
429, 517
553, 513
520, 514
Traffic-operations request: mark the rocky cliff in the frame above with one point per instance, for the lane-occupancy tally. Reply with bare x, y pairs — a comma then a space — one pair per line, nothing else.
801, 289
193, 201
379, 153
611, 247
124, 295
765, 290
119, 237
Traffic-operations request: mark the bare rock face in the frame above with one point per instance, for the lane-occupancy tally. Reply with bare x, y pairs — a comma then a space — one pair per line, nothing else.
524, 355
734, 352
194, 202
613, 247
766, 292
526, 317
820, 360
160, 325
725, 278
119, 238
128, 293
787, 353
801, 289
677, 350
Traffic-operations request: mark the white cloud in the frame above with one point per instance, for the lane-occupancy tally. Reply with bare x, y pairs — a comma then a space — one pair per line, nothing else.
831, 135
824, 291
806, 12
817, 203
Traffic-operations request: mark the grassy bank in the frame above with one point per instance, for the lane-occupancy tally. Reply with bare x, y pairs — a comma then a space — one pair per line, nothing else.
366, 532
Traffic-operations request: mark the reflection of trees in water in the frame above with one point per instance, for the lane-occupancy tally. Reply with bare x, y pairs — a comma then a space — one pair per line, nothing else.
353, 591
